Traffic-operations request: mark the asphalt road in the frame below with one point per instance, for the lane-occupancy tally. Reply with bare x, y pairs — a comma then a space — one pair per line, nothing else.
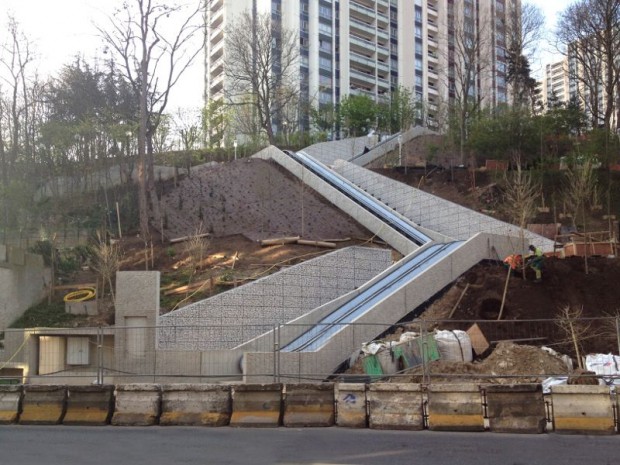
64, 445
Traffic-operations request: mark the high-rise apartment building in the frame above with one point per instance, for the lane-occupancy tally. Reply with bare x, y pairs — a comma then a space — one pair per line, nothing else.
370, 47
555, 86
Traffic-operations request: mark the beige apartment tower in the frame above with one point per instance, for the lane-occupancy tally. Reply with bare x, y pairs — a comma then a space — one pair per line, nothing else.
370, 47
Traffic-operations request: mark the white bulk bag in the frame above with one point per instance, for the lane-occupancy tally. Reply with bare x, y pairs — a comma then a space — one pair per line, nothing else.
454, 346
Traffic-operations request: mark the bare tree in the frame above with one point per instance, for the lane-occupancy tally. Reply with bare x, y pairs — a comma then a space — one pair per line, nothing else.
469, 57
576, 329
524, 29
521, 193
156, 42
589, 30
579, 187
107, 258
261, 67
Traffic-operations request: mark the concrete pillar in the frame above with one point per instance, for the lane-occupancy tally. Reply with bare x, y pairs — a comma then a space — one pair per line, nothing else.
136, 404
196, 405
309, 405
516, 408
351, 405
89, 405
395, 406
43, 405
9, 403
258, 405
582, 409
455, 407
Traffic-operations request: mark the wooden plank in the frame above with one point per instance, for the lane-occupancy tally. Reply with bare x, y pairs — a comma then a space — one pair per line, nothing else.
478, 341
279, 241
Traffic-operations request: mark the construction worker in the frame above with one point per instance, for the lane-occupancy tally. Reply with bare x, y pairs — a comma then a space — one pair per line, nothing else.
534, 260
514, 262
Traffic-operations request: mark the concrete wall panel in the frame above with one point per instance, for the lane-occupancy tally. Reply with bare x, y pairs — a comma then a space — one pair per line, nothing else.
582, 409
136, 404
196, 405
43, 405
395, 406
10, 398
309, 405
516, 408
455, 407
89, 405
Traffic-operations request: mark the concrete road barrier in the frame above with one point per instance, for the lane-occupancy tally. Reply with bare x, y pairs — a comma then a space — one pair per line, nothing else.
195, 405
43, 405
136, 404
351, 409
257, 405
455, 407
516, 408
89, 405
582, 409
10, 397
395, 406
308, 405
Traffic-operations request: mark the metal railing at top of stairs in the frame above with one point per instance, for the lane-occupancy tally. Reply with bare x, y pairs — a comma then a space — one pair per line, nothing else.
367, 201
387, 140
315, 338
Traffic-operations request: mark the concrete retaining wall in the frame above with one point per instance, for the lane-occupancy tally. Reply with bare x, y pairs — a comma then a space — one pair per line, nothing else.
516, 408
582, 409
24, 280
281, 297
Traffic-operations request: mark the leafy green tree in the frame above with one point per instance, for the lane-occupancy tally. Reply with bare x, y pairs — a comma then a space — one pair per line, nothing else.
357, 114
398, 114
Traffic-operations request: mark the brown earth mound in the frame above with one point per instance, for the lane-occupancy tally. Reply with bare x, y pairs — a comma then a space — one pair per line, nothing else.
255, 198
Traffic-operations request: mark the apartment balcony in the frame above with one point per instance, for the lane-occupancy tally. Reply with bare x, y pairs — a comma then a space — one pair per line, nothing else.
216, 36
362, 61
381, 66
217, 49
433, 72
432, 10
364, 78
381, 4
433, 57
431, 25
383, 34
362, 91
217, 18
217, 67
363, 29
357, 10
361, 45
216, 84
432, 43
383, 51
432, 89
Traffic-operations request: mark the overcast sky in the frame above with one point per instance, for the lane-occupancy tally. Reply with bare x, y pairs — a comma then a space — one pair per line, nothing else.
60, 29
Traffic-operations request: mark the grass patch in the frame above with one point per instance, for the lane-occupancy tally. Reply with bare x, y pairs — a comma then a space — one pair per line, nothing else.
46, 316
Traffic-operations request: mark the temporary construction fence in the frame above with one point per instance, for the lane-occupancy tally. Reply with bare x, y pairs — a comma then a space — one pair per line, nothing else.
137, 354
